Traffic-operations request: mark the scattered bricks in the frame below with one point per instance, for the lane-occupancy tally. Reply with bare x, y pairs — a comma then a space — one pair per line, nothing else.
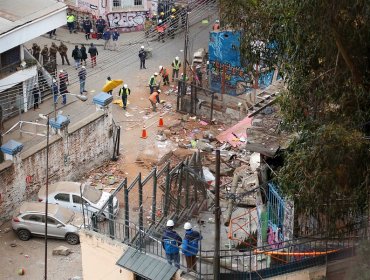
61, 250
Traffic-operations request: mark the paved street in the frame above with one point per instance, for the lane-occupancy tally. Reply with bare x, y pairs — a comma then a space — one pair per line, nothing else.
122, 64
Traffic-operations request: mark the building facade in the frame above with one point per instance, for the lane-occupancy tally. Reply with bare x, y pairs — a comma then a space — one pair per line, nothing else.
21, 21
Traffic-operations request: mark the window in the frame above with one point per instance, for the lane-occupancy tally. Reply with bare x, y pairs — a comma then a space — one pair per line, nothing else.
52, 221
33, 218
62, 197
116, 3
138, 2
77, 199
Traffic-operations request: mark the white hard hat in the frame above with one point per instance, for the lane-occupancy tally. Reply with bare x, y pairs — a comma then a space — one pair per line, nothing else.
83, 67
187, 226
61, 71
176, 58
159, 91
217, 21
170, 223
142, 47
125, 85
160, 21
54, 81
160, 67
155, 74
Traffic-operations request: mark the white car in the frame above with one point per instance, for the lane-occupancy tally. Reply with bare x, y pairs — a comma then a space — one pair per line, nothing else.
68, 194
29, 219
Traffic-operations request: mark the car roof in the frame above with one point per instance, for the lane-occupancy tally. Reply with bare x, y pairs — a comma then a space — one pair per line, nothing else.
38, 207
62, 186
54, 210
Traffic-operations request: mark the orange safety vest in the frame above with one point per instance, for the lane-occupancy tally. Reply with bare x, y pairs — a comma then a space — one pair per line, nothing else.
153, 97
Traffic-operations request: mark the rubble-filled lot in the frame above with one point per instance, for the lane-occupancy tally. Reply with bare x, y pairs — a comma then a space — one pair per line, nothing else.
29, 256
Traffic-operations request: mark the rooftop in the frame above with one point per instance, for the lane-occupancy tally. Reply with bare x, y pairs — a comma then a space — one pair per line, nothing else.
16, 13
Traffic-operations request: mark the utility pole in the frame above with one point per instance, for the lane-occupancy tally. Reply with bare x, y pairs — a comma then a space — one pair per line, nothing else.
216, 265
186, 43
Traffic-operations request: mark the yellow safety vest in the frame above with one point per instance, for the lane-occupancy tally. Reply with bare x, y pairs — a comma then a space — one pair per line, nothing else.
176, 65
70, 18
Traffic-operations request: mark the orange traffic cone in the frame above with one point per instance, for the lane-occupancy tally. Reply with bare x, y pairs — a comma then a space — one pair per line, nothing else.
144, 135
160, 124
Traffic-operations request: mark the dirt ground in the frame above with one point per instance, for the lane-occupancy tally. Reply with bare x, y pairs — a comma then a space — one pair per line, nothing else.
29, 255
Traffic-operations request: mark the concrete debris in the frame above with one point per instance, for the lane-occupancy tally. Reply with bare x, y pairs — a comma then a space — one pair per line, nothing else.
62, 251
6, 230
111, 181
185, 118
257, 122
204, 146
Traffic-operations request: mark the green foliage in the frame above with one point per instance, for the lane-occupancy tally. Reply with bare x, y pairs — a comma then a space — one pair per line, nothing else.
323, 53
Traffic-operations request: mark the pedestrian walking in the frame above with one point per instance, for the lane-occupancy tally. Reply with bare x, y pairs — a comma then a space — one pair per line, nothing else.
63, 76
87, 26
124, 92
55, 90
115, 36
154, 99
170, 243
190, 246
108, 81
153, 84
100, 25
45, 55
83, 54
107, 37
93, 51
36, 51
52, 33
71, 22
63, 49
82, 77
63, 90
36, 96
142, 56
161, 29
176, 64
165, 76
77, 55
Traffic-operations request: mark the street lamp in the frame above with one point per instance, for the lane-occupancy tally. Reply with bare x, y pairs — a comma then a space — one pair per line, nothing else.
47, 117
81, 97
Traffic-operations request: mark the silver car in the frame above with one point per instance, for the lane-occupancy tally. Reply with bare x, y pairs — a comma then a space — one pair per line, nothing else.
29, 219
68, 194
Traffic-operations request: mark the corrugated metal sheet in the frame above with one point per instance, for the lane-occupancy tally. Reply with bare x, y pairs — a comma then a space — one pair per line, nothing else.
146, 266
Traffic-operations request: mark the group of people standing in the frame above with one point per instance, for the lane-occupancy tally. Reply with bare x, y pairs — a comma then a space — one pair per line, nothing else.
172, 243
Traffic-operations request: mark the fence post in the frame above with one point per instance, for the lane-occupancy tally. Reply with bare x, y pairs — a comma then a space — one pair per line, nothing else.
111, 221
167, 191
118, 139
141, 209
178, 96
212, 103
179, 190
154, 201
195, 99
216, 266
187, 184
127, 214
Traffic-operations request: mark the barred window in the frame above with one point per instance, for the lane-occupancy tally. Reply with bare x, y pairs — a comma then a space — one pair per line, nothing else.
138, 2
116, 3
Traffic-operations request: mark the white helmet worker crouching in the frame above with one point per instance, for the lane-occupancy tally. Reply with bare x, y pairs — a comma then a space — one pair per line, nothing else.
187, 226
170, 223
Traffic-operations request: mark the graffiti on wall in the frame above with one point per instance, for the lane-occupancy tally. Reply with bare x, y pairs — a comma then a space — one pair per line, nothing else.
127, 21
88, 6
237, 80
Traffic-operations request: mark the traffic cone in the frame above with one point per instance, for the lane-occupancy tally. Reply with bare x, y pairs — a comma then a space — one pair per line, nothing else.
160, 124
144, 135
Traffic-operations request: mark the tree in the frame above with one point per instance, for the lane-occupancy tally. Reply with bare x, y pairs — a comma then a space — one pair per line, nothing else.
322, 49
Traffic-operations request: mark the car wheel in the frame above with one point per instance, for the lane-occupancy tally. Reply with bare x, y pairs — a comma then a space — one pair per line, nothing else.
101, 218
72, 238
23, 234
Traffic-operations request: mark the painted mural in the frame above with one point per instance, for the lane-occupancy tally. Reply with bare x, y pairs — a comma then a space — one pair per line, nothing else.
224, 54
127, 21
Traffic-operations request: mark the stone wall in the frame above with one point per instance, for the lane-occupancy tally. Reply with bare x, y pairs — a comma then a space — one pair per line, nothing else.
72, 152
